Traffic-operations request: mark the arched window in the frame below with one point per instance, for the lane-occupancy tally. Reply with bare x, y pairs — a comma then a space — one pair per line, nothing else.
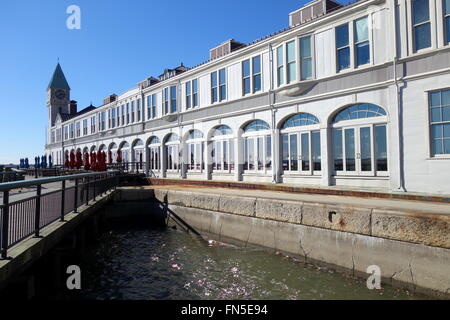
257, 147
154, 140
360, 141
222, 131
112, 154
138, 155
299, 120
256, 125
195, 151
222, 149
171, 148
300, 136
195, 134
359, 111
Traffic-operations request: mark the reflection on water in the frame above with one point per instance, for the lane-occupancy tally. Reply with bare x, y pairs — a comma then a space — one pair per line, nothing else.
130, 262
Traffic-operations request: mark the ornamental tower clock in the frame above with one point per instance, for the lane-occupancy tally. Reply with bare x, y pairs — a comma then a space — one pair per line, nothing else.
58, 95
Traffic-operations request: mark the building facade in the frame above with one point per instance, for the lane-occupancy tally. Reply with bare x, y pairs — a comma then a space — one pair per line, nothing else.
355, 96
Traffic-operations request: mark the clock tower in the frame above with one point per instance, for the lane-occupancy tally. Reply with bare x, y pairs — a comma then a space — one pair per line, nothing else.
58, 96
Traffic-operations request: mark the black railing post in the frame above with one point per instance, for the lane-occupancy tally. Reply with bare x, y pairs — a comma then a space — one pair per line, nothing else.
37, 212
87, 191
75, 202
5, 226
95, 189
63, 199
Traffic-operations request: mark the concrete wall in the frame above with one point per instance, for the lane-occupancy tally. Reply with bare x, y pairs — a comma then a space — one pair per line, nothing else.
410, 249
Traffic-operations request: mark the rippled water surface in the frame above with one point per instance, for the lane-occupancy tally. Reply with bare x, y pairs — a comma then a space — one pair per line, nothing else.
139, 262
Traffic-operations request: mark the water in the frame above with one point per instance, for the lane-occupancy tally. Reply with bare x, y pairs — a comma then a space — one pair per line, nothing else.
141, 263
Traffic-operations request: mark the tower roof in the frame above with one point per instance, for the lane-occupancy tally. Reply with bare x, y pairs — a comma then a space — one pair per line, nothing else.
58, 80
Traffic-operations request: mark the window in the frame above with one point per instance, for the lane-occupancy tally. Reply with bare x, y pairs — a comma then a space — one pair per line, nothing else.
166, 101
257, 147
223, 149
195, 151
440, 122
301, 145
195, 93
246, 77
72, 131
222, 85
305, 58
421, 24
362, 46
128, 113
342, 47
139, 111
78, 129
118, 116
280, 66
214, 95
85, 127
218, 86
109, 118
360, 148
192, 94
149, 107
53, 136
133, 118
66, 133
251, 75
173, 99
113, 118
154, 112
291, 62
123, 115
172, 152
102, 121
446, 6
188, 95
155, 154
92, 124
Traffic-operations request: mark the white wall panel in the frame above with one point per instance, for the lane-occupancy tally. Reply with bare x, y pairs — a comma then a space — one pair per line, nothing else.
234, 82
205, 92
325, 53
266, 71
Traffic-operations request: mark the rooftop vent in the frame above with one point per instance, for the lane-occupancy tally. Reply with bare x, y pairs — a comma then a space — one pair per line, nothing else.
312, 10
169, 73
109, 99
147, 83
225, 48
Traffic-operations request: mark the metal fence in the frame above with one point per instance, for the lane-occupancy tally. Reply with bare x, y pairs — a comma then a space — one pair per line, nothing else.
24, 218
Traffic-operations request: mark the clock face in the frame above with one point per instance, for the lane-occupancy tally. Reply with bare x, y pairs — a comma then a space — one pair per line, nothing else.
60, 94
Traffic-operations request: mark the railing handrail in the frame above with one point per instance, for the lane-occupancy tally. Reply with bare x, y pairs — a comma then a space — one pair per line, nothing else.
29, 183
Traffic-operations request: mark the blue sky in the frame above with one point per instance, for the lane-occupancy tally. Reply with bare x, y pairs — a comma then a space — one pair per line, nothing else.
120, 43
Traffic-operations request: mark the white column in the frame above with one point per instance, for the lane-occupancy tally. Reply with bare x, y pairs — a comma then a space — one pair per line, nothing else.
327, 155
206, 157
238, 158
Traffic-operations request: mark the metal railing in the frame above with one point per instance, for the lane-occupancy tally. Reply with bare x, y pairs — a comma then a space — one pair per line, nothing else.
129, 167
26, 217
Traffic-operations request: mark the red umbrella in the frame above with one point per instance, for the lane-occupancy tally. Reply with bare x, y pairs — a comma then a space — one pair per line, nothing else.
99, 160
119, 156
104, 168
66, 163
87, 166
79, 161
72, 160
93, 161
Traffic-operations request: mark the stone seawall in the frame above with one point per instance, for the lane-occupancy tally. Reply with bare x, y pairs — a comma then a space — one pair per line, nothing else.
411, 248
